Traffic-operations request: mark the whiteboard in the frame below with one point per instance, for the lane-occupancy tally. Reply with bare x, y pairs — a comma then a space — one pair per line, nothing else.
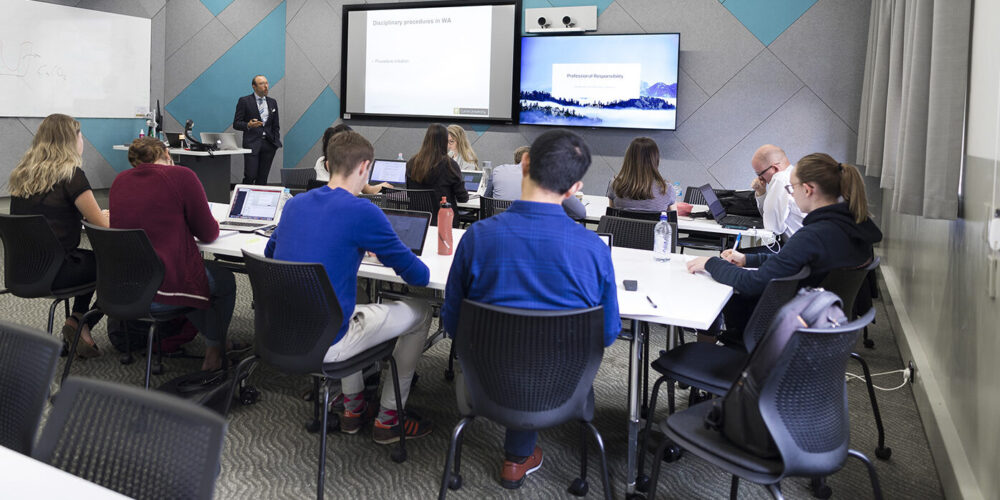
84, 63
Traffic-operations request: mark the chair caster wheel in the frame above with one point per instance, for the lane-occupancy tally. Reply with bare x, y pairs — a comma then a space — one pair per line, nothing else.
642, 483
823, 492
398, 456
869, 343
883, 453
672, 453
126, 359
313, 427
578, 487
156, 369
454, 482
249, 395
64, 351
449, 374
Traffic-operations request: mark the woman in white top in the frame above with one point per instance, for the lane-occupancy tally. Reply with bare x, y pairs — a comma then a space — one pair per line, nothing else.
322, 174
460, 150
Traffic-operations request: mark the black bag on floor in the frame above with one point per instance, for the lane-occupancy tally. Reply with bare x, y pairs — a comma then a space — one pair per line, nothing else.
737, 414
216, 390
132, 334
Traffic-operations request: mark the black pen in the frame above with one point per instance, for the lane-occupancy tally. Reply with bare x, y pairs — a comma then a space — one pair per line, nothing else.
651, 302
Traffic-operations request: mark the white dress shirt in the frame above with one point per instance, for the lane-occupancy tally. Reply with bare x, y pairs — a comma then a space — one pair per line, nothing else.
781, 214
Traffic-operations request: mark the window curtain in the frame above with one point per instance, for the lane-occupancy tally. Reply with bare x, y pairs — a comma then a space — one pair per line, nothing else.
912, 123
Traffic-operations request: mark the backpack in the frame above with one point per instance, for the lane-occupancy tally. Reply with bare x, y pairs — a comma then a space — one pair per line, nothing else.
739, 203
737, 414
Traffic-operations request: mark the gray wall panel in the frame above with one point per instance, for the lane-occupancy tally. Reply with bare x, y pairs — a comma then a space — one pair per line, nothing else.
302, 83
16, 140
185, 18
614, 19
316, 28
242, 15
195, 56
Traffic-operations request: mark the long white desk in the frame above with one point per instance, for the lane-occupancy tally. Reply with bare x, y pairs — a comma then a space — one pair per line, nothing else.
682, 299
212, 168
24, 477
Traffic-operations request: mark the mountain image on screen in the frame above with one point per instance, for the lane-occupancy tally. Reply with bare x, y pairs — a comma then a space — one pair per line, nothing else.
541, 107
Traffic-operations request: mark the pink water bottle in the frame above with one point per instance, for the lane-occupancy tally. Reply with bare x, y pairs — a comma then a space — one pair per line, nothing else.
445, 217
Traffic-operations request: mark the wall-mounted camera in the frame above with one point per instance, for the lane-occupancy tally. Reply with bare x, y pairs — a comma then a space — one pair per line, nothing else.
561, 19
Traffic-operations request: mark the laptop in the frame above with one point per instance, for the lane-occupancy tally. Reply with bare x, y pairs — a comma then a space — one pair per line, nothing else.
475, 182
719, 212
410, 226
225, 141
174, 138
391, 171
252, 208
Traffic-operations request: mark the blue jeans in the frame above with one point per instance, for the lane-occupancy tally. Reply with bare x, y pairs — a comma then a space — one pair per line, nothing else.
213, 322
519, 443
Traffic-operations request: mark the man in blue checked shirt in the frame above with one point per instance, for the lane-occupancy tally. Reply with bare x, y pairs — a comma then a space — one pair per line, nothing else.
532, 256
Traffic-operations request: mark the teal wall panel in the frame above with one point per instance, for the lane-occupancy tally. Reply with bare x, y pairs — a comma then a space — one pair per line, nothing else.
104, 133
300, 138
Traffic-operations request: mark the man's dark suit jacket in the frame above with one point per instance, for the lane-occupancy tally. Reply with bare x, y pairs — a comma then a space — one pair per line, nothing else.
246, 110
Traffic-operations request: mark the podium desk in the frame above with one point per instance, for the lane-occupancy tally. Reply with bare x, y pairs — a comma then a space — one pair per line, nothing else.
212, 168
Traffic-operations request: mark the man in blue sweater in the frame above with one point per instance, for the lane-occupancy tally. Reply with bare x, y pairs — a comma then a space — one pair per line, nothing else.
533, 256
331, 225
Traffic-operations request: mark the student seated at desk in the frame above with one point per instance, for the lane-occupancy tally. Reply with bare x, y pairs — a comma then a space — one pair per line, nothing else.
505, 184
639, 185
339, 245
548, 262
169, 203
834, 235
460, 150
48, 181
431, 168
322, 174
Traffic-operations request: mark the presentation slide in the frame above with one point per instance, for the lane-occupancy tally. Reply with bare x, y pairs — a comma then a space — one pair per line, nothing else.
617, 81
449, 62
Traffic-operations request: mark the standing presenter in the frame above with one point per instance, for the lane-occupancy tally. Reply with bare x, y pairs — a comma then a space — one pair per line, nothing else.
257, 116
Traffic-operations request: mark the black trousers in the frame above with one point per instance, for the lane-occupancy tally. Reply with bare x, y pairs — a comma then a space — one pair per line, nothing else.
79, 267
256, 167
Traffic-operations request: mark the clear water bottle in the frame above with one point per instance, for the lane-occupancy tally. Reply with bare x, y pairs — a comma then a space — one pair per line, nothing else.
399, 156
661, 239
678, 191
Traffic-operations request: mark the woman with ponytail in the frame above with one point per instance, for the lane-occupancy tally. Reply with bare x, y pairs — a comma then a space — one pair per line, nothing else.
836, 233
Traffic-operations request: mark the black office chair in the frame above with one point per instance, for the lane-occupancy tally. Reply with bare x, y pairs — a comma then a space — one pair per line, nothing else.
488, 207
377, 199
846, 283
297, 178
32, 257
128, 275
420, 200
713, 368
143, 444
313, 184
803, 403
27, 364
637, 214
632, 233
296, 318
561, 350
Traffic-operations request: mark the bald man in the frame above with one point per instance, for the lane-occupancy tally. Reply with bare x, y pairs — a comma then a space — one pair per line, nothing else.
781, 215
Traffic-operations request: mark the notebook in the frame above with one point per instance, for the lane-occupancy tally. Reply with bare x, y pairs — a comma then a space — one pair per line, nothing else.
225, 141
391, 171
475, 182
719, 212
410, 226
252, 208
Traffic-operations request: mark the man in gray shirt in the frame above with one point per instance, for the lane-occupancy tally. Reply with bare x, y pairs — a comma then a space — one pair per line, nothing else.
505, 184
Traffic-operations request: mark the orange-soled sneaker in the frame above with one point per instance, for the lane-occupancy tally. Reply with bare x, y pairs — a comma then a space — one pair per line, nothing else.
415, 427
351, 422
513, 473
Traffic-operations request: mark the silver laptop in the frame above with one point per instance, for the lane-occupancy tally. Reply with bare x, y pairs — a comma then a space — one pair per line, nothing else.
475, 182
252, 208
224, 141
391, 171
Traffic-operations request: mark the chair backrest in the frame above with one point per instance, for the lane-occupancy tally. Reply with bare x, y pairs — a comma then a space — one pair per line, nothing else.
488, 207
419, 200
128, 271
297, 178
777, 293
28, 361
143, 444
32, 255
296, 313
638, 214
804, 400
847, 282
377, 199
313, 184
530, 369
633, 233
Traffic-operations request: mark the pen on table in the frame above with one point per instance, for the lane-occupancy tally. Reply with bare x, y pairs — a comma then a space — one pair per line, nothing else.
737, 244
651, 302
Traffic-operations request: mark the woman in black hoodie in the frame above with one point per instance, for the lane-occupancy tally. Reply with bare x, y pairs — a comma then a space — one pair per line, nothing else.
836, 233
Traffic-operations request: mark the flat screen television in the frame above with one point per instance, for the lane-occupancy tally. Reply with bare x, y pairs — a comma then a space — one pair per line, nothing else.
613, 81
452, 61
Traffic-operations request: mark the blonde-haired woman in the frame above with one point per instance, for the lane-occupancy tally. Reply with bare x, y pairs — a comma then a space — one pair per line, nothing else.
460, 150
48, 181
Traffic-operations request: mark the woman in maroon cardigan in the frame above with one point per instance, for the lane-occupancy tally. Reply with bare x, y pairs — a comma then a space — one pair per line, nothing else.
169, 203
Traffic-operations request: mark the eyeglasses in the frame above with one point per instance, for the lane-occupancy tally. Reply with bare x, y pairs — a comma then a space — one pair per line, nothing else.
790, 188
760, 175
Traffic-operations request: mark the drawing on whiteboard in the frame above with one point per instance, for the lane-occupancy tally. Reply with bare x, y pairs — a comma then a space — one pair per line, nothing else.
23, 61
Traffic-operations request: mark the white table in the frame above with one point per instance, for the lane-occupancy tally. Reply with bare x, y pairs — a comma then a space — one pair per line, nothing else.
24, 477
212, 168
682, 299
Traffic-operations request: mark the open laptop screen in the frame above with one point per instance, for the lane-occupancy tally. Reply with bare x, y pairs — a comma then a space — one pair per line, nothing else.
251, 203
714, 205
472, 179
410, 226
391, 171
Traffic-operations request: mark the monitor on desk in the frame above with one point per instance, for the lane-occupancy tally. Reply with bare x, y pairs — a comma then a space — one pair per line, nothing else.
391, 171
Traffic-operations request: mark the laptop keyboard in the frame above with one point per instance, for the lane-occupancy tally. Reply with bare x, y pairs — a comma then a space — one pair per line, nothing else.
740, 220
243, 224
